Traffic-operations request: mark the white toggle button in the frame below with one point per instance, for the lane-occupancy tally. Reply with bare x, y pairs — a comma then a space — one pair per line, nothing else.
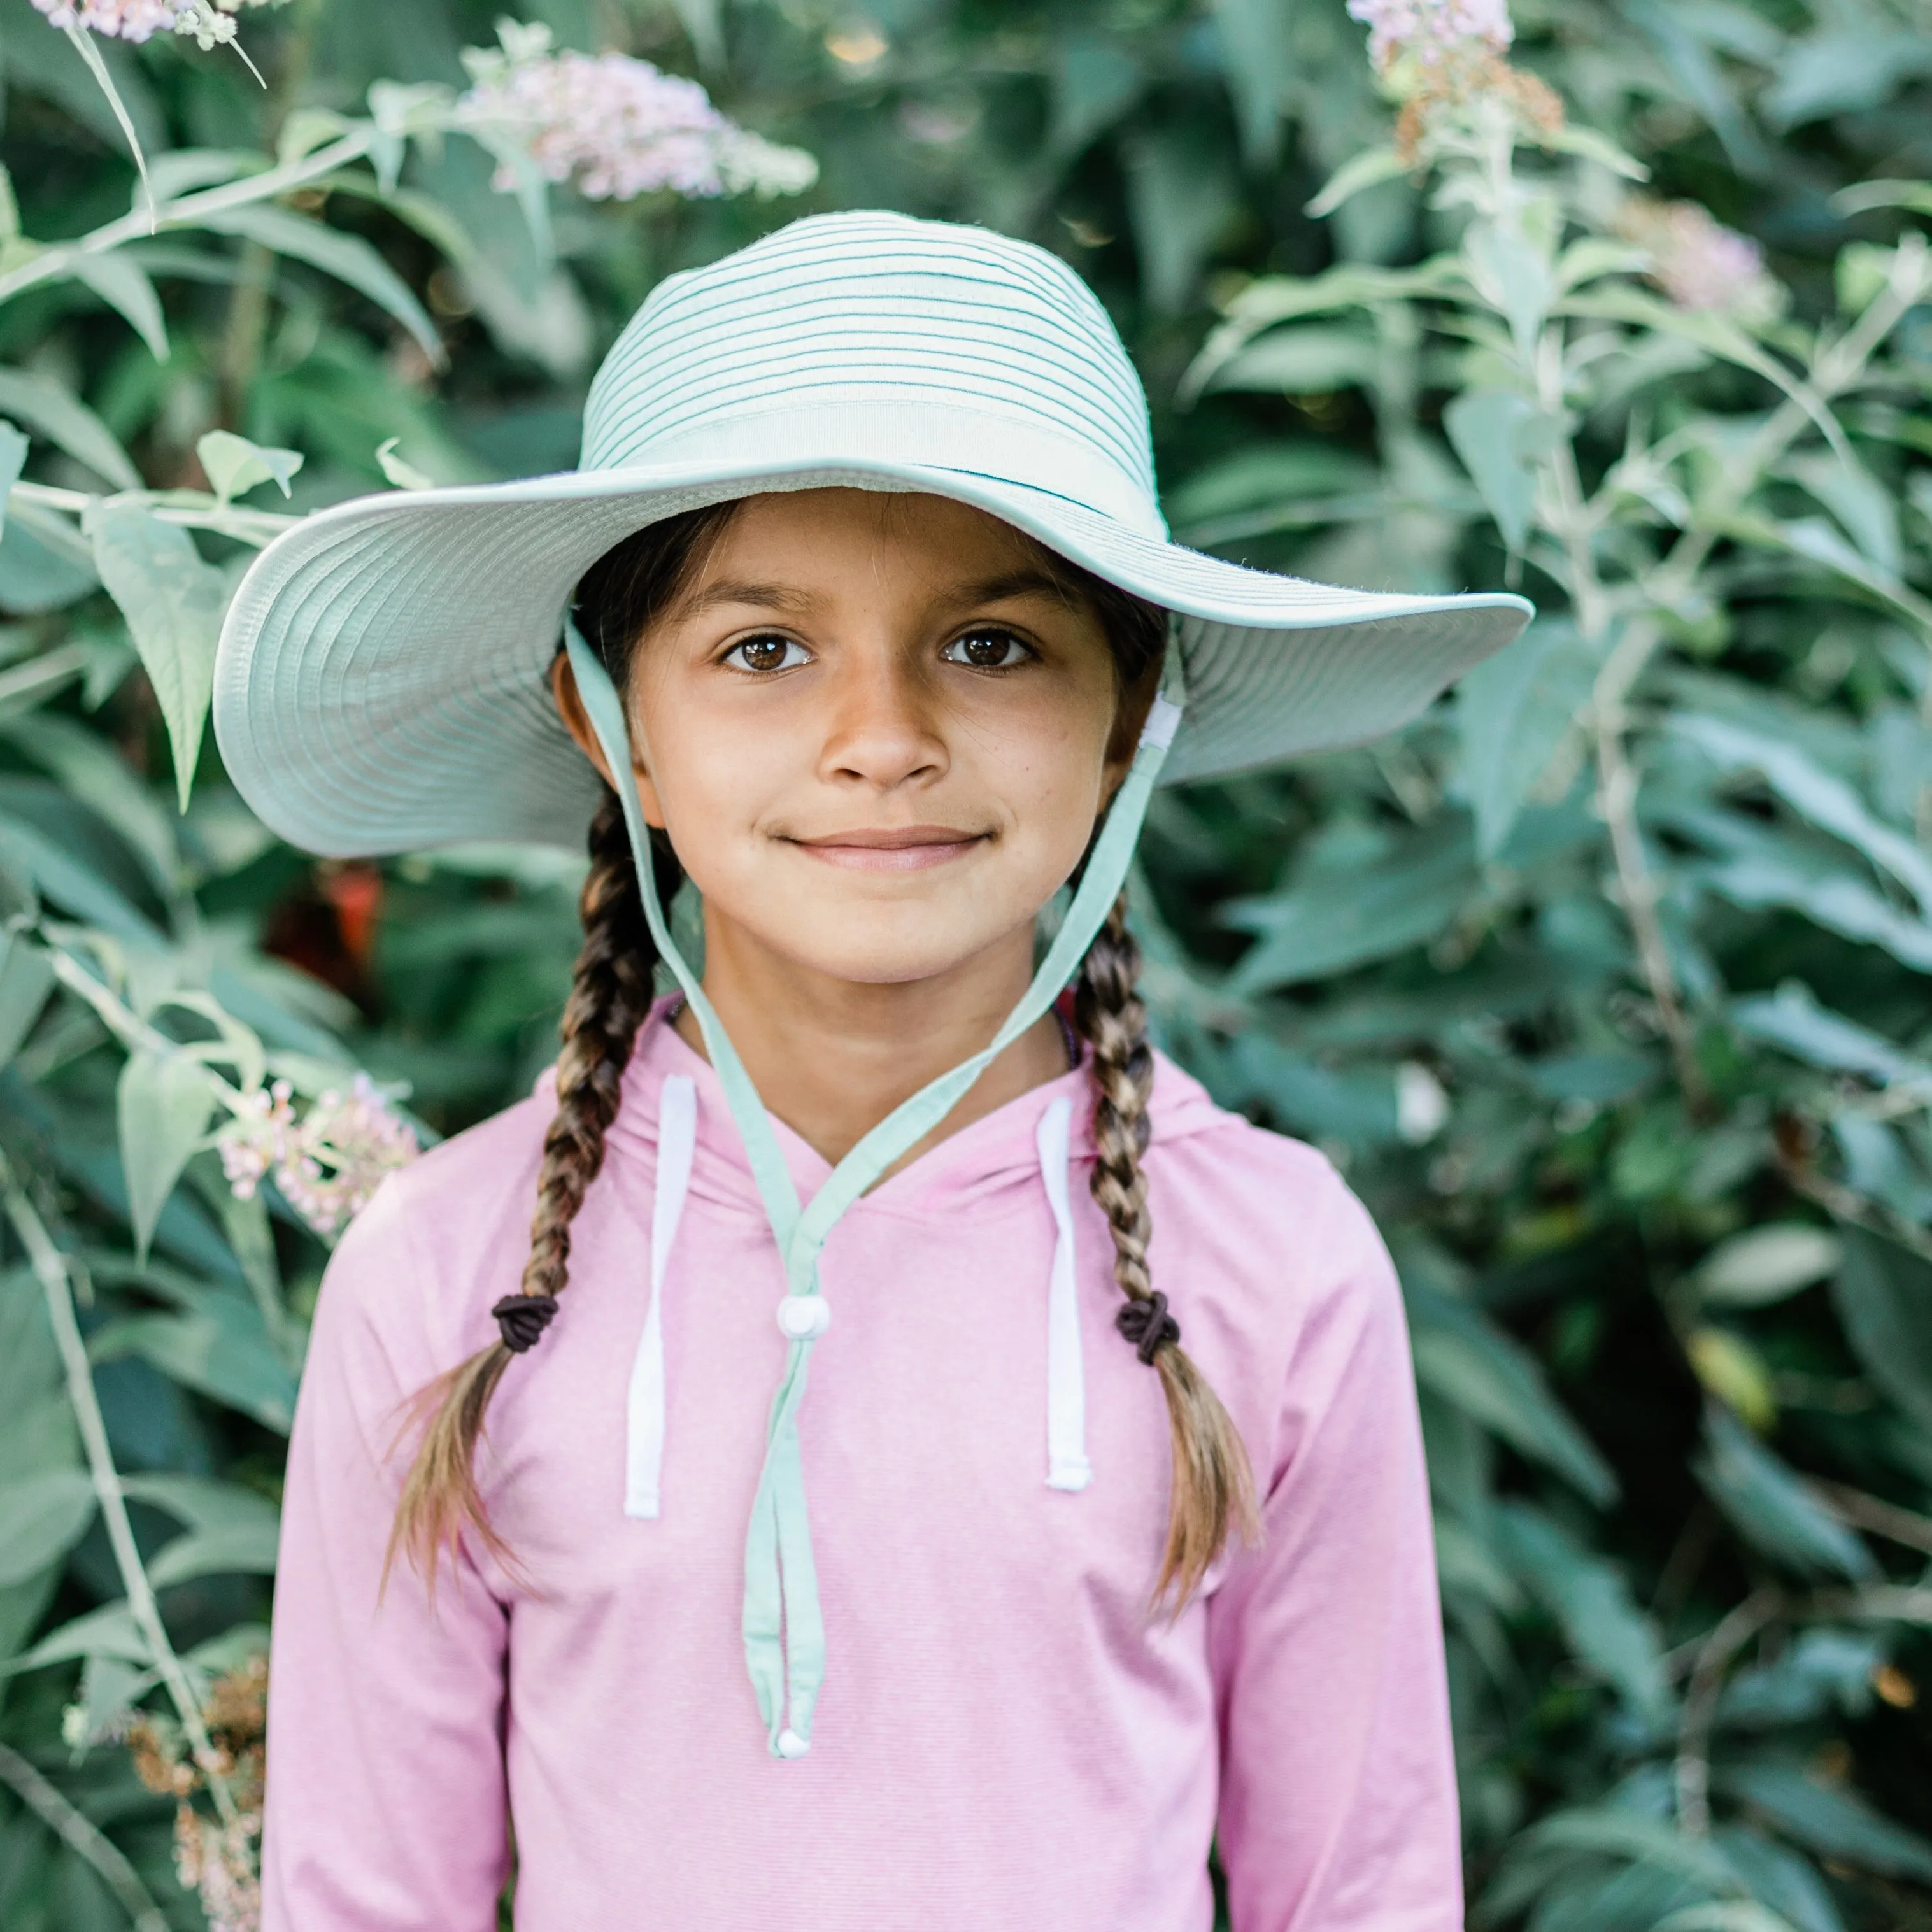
804, 1318
790, 1744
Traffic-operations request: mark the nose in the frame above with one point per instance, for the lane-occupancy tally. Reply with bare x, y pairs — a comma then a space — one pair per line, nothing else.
884, 730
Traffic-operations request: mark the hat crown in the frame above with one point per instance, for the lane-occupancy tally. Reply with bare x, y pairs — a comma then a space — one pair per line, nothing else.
923, 340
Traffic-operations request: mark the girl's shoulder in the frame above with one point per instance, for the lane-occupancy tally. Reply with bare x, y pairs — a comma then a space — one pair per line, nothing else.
1285, 1233
410, 1265
1231, 1161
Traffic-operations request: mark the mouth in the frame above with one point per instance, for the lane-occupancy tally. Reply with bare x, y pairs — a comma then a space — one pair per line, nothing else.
905, 848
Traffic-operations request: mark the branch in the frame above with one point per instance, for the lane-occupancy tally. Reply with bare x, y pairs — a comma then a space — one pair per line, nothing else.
50, 264
1872, 1513
1616, 791
1700, 1706
81, 1835
54, 1272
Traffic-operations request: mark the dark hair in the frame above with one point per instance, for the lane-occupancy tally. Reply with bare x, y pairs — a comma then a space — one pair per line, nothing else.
623, 594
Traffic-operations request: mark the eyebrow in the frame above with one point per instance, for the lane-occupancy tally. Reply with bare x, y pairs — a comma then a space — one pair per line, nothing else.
737, 590
1027, 581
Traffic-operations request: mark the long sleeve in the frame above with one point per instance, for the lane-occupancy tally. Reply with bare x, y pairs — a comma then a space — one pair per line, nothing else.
385, 1803
1338, 1809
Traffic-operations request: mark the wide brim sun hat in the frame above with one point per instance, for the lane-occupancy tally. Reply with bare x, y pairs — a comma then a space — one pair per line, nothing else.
382, 683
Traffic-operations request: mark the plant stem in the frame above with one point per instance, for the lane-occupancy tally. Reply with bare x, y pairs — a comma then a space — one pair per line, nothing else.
1700, 1706
1616, 791
254, 526
127, 1026
50, 264
81, 1836
54, 1272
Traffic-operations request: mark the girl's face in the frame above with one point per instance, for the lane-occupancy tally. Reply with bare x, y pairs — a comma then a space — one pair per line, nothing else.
877, 730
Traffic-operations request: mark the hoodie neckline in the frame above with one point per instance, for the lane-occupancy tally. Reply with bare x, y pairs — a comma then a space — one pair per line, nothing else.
995, 1142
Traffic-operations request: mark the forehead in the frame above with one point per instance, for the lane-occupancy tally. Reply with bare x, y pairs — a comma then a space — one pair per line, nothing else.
817, 532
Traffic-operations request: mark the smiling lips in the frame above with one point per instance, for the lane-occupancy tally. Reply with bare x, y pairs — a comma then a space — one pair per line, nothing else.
908, 848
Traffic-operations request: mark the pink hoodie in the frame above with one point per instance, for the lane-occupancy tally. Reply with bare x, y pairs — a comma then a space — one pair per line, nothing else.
1007, 1741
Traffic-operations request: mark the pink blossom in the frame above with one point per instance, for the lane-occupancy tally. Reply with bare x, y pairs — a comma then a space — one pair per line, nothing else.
1695, 259
326, 1166
120, 20
210, 21
1432, 31
615, 126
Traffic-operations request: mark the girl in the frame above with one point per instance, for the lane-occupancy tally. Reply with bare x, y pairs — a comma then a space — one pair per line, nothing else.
1103, 1533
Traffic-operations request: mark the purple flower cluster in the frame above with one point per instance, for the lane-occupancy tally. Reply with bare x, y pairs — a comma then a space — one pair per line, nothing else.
123, 20
1694, 259
1432, 31
616, 127
326, 1166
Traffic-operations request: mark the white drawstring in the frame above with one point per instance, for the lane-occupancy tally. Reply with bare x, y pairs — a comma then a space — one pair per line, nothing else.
643, 1455
1066, 1465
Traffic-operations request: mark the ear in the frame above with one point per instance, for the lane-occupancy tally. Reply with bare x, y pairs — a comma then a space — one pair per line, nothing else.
1136, 701
570, 707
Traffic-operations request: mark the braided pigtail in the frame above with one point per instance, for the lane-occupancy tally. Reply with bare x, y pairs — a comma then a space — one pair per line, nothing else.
1213, 1486
609, 999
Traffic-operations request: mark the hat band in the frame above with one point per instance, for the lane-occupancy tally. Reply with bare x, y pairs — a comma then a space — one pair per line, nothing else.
976, 442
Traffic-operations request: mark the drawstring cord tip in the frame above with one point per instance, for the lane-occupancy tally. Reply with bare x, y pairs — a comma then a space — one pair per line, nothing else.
790, 1744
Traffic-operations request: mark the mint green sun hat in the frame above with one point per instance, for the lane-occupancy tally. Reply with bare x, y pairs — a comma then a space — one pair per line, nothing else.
381, 683
382, 680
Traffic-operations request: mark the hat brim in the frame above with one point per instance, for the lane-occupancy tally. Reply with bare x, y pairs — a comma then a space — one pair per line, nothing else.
381, 683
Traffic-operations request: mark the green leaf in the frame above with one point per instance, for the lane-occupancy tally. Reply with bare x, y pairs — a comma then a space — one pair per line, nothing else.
1367, 169
1770, 1508
234, 466
1513, 713
1474, 1367
220, 1348
1328, 923
1883, 1294
405, 475
45, 562
162, 1105
237, 1550
1792, 1019
56, 413
347, 257
173, 602
108, 1631
1764, 1265
1828, 1819
13, 447
1606, 1631
1826, 801
42, 1517
1300, 362
1511, 274
123, 284
1257, 57
26, 979
1491, 431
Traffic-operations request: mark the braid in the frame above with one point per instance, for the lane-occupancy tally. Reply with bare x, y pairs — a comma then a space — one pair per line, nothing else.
610, 1000
1212, 1490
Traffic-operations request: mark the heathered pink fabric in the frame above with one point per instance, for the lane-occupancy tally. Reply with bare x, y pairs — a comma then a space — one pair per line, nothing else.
1007, 1742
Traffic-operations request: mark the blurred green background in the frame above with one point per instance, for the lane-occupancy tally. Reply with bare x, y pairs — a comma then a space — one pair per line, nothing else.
1605, 983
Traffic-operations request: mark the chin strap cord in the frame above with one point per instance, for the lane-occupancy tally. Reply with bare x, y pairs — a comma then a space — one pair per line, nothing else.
783, 1630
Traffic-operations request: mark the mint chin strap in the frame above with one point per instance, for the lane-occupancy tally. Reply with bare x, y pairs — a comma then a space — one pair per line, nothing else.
784, 1634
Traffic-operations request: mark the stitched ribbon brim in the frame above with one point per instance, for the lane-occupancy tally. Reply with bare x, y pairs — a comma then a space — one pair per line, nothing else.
783, 1631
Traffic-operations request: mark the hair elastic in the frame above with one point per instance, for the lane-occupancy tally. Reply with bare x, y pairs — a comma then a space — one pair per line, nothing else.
1146, 1323
522, 1319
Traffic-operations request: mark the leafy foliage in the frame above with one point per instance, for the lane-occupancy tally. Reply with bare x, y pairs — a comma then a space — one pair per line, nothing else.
1606, 981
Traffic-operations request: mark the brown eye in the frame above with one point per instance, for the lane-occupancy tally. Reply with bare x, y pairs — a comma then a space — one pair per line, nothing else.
987, 650
767, 653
